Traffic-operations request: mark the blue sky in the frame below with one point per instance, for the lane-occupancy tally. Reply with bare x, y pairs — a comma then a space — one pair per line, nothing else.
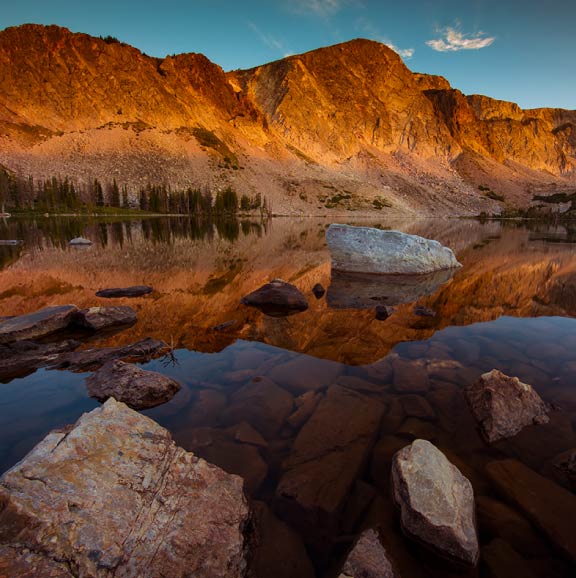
523, 51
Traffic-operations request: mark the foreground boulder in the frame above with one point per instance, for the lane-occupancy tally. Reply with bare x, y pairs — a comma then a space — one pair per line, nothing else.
436, 502
37, 324
134, 291
113, 495
91, 359
368, 559
504, 405
98, 318
277, 299
368, 250
137, 388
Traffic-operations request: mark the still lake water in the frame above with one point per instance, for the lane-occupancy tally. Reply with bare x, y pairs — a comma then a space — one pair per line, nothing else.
510, 307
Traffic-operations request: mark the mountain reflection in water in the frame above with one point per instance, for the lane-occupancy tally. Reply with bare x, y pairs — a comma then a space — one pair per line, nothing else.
270, 397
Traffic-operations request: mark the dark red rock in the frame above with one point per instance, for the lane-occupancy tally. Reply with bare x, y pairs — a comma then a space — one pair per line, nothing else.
277, 299
134, 291
137, 388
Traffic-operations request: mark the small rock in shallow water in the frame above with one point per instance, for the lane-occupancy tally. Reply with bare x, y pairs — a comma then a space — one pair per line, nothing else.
503, 405
318, 291
382, 312
436, 502
134, 291
277, 299
367, 559
137, 388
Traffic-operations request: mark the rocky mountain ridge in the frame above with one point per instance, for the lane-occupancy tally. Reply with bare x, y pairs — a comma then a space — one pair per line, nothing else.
343, 128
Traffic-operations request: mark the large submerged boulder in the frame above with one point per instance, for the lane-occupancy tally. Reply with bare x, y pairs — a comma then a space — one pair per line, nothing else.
368, 250
37, 324
137, 388
436, 502
503, 405
113, 495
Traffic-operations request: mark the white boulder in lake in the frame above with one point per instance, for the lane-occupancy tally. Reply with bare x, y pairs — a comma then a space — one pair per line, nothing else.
368, 250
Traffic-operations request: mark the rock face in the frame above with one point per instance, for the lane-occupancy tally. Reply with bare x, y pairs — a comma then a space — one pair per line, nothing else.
367, 250
277, 299
115, 496
91, 359
134, 291
137, 388
367, 559
549, 506
504, 405
37, 324
436, 502
98, 318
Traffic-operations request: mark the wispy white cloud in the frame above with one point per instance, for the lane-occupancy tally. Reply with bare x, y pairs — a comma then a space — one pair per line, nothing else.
269, 40
453, 40
367, 28
317, 7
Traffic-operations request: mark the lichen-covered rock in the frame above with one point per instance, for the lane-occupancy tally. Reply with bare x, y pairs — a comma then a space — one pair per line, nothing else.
137, 388
436, 502
277, 299
114, 496
367, 559
503, 405
37, 324
98, 318
369, 250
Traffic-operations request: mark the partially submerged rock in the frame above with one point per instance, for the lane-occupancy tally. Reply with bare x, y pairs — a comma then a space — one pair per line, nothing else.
80, 241
277, 299
368, 559
98, 318
318, 291
436, 502
114, 496
37, 324
134, 291
503, 405
368, 250
91, 359
137, 388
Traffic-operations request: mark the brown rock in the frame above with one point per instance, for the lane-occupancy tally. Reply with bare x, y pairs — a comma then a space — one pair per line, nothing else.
91, 359
305, 373
409, 377
318, 291
98, 318
361, 385
278, 551
504, 405
277, 299
549, 506
368, 559
417, 406
262, 404
115, 495
393, 417
246, 434
330, 450
414, 428
134, 291
137, 388
37, 324
502, 561
562, 468
207, 407
306, 404
436, 502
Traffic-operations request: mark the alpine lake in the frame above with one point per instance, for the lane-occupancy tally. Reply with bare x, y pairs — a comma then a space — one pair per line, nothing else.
510, 307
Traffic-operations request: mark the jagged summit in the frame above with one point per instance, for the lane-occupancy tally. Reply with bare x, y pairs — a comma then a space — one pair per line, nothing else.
342, 127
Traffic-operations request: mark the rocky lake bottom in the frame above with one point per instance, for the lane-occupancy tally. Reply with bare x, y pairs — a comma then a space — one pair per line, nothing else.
310, 409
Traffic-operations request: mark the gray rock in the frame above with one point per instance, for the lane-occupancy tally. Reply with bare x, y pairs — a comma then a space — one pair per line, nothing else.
368, 559
436, 502
80, 241
98, 318
134, 291
113, 495
38, 324
137, 388
503, 405
277, 299
368, 250
546, 504
91, 359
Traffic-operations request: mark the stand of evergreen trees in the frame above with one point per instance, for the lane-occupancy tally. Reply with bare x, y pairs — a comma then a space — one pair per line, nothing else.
63, 195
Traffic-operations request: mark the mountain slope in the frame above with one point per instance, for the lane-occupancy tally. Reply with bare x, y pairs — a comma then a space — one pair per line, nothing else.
347, 127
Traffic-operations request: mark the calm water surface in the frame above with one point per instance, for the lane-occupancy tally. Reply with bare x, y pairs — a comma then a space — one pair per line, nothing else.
510, 307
